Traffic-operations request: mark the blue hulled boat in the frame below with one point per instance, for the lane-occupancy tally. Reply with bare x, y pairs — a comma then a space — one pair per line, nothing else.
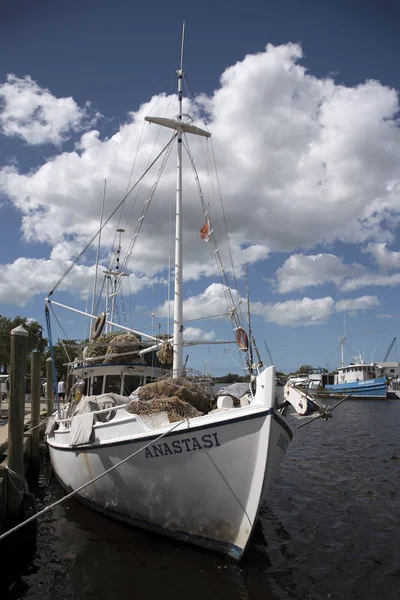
360, 380
373, 388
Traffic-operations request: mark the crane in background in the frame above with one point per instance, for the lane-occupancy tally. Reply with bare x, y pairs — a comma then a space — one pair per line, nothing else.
389, 350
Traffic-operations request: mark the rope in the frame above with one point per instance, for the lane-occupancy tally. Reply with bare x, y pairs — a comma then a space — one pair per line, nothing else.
230, 489
79, 489
59, 339
36, 426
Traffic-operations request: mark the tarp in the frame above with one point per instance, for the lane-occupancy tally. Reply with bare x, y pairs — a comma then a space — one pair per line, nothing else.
236, 390
81, 429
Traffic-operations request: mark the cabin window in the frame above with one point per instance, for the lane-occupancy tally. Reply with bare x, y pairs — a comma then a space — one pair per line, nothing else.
131, 383
97, 387
392, 370
113, 384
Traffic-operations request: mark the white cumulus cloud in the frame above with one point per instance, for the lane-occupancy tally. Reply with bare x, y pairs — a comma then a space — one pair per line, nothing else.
299, 312
210, 303
301, 161
28, 277
300, 271
386, 259
371, 279
294, 313
195, 334
361, 303
310, 311
35, 115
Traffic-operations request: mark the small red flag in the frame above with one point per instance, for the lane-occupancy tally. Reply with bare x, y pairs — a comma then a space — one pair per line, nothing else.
205, 231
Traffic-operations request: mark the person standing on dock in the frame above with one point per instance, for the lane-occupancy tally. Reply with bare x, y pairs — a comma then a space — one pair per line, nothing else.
61, 389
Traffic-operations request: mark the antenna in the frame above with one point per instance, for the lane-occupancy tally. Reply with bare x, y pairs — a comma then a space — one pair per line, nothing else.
183, 43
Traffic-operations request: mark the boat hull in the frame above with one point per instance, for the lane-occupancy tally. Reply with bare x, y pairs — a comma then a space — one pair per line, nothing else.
202, 485
368, 389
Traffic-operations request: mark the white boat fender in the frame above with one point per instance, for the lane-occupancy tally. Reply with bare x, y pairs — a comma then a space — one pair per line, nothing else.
224, 402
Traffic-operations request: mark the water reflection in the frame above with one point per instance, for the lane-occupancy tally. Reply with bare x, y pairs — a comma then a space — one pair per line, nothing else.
328, 527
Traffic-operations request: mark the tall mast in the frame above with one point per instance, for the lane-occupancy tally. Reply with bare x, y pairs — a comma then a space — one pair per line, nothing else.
180, 126
178, 297
342, 339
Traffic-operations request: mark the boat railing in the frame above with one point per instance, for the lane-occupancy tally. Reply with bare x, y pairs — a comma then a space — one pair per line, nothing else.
96, 412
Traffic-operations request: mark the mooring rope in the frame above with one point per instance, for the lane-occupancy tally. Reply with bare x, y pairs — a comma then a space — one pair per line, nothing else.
79, 489
36, 426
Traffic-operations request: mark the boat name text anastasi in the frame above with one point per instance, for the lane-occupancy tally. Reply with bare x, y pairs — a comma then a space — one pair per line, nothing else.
189, 444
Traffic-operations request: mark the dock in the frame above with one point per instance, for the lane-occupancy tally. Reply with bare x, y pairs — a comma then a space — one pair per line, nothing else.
27, 419
22, 421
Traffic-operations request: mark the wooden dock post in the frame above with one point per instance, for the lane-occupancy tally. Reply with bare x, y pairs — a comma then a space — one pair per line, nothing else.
49, 387
16, 408
35, 408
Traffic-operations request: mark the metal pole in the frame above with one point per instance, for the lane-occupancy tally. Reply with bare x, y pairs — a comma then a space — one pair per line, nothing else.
98, 248
178, 311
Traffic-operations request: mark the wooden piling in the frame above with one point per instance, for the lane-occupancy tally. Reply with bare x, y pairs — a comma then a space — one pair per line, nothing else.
49, 387
35, 407
16, 407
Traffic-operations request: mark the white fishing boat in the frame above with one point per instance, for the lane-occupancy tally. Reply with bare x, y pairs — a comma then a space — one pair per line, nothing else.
198, 479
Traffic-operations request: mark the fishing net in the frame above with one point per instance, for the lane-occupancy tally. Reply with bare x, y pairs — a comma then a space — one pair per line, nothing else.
177, 398
175, 408
166, 354
124, 342
198, 395
114, 343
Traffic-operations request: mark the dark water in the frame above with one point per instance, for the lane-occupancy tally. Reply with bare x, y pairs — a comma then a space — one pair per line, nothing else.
330, 528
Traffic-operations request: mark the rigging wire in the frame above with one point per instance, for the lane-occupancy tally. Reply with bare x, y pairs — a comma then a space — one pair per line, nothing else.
151, 154
166, 147
129, 180
142, 216
221, 270
201, 114
130, 300
62, 330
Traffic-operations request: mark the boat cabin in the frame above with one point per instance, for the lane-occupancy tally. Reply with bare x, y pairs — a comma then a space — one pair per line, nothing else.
115, 378
356, 373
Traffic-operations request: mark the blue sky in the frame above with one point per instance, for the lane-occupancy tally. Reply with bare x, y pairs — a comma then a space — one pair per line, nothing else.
307, 145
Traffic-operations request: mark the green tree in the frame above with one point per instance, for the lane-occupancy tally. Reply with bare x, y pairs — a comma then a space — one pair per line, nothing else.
305, 369
231, 378
64, 352
36, 341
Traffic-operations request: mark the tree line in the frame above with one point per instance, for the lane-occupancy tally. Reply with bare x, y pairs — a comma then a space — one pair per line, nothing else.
36, 341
